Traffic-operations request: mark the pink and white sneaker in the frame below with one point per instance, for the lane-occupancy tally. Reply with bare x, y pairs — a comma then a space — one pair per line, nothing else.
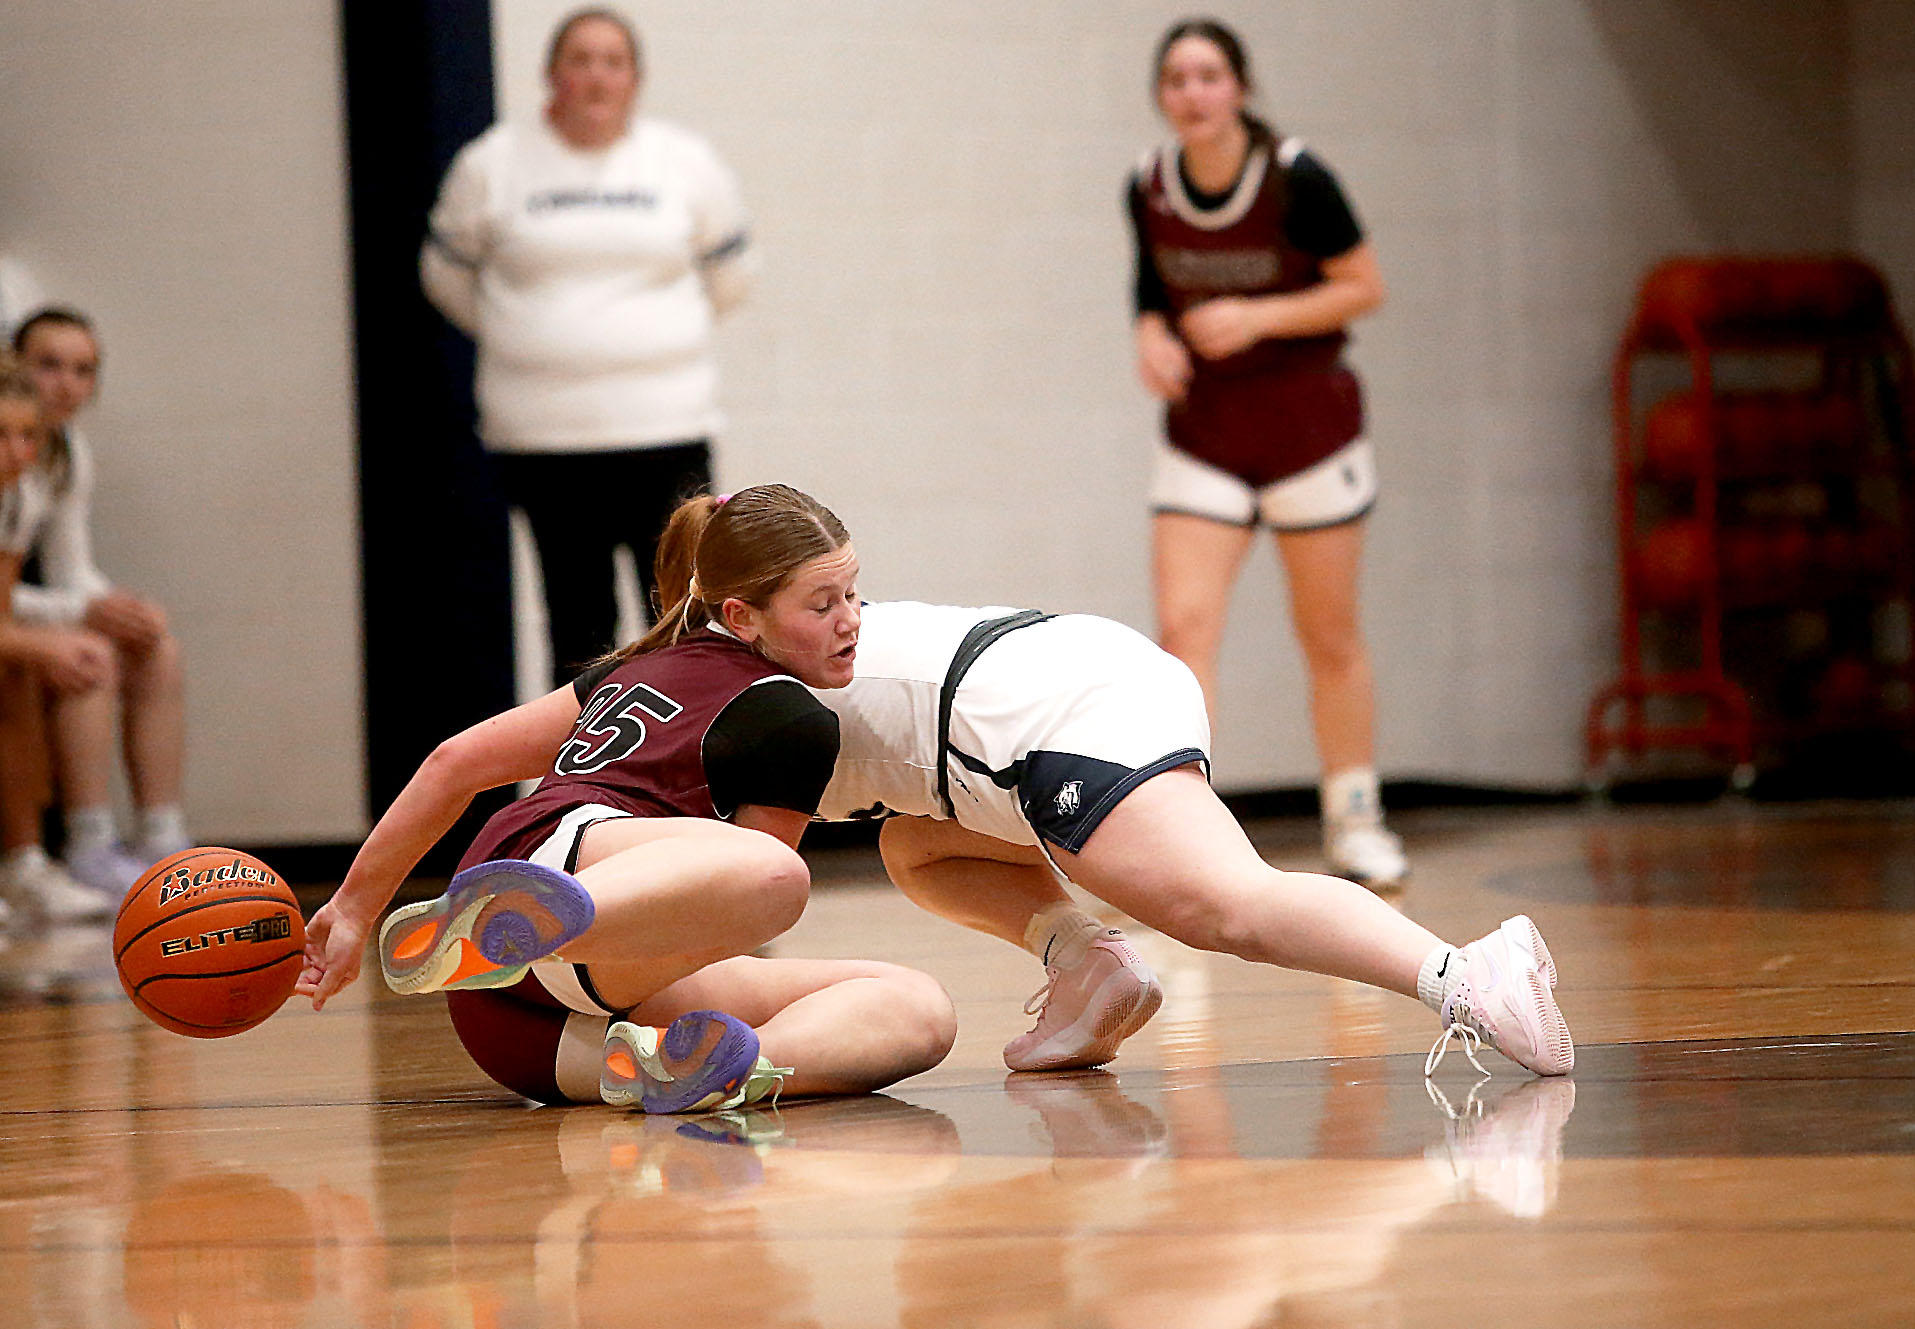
1085, 1011
1507, 999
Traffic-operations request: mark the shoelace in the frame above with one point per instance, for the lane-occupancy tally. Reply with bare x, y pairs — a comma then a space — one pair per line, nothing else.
1472, 1105
751, 1091
1038, 1000
779, 1073
1470, 1040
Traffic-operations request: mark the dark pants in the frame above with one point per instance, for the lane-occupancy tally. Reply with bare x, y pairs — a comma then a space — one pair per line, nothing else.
582, 506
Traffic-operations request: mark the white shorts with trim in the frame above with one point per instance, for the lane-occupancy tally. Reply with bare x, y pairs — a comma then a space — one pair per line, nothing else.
1338, 489
560, 850
1057, 721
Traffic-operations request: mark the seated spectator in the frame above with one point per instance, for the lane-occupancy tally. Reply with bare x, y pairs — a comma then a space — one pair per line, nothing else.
40, 667
60, 352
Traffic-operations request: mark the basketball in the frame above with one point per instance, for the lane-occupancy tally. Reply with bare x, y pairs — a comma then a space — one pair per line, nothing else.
208, 942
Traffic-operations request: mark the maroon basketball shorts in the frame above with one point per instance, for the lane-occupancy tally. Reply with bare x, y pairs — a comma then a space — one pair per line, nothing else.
543, 1036
527, 1041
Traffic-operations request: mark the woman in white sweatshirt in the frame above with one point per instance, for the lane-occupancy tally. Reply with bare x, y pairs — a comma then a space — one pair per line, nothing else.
588, 256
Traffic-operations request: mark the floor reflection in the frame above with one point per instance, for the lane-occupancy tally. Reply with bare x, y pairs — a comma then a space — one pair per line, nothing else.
218, 1247
57, 963
1045, 1199
1857, 859
1268, 1154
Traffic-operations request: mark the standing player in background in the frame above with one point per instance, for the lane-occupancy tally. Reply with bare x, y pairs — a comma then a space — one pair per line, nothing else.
144, 678
588, 255
658, 852
1020, 749
1250, 265
41, 668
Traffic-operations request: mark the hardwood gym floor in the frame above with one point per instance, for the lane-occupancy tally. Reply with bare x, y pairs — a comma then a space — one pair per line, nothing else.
1737, 1144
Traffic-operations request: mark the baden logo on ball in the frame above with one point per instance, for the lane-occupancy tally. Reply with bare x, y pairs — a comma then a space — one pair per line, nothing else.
209, 942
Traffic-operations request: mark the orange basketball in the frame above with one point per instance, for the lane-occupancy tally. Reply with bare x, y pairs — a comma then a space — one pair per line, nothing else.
209, 942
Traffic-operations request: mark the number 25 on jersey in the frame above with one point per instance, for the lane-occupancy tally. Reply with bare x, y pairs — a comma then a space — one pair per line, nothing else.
611, 727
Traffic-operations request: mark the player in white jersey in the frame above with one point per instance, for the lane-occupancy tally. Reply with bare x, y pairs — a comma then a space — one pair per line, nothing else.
1012, 749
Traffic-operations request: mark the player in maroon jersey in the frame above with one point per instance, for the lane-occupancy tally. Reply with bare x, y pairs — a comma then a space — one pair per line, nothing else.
1250, 265
658, 851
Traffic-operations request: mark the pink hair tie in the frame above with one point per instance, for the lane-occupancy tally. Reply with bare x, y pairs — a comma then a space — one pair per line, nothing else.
723, 499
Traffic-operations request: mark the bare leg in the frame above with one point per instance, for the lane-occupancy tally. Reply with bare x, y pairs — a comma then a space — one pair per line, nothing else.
1194, 563
25, 773
674, 894
154, 738
844, 1026
1321, 568
83, 743
987, 885
1171, 855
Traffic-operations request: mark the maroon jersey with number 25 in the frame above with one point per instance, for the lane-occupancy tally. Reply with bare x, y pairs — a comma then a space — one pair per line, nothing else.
639, 744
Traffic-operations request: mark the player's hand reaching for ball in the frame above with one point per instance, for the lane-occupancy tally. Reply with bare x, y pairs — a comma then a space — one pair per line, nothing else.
1222, 327
335, 946
1162, 362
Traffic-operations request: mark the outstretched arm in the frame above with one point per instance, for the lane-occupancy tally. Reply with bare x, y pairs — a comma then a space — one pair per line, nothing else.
516, 745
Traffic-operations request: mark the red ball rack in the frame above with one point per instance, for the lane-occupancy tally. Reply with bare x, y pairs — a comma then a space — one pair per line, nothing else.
1764, 507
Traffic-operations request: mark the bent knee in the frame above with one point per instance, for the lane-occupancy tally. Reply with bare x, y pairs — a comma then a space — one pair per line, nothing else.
1183, 629
778, 881
164, 657
926, 1015
1332, 648
156, 671
904, 845
112, 663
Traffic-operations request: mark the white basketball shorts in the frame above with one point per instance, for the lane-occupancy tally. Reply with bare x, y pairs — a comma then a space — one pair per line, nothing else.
1338, 489
1056, 722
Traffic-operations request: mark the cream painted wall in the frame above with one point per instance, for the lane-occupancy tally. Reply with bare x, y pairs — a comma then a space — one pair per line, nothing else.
940, 350
177, 172
939, 346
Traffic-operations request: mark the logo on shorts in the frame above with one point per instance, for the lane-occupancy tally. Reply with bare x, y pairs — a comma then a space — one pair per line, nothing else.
1069, 797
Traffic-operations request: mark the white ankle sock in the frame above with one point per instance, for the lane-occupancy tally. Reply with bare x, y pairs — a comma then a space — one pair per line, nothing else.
1351, 796
1061, 934
164, 823
1442, 970
89, 829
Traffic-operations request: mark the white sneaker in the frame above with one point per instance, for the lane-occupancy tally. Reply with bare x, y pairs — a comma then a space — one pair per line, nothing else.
1365, 853
40, 890
1506, 998
108, 869
1509, 1152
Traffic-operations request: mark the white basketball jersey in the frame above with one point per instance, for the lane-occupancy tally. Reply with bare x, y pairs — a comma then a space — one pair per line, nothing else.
888, 716
1075, 691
